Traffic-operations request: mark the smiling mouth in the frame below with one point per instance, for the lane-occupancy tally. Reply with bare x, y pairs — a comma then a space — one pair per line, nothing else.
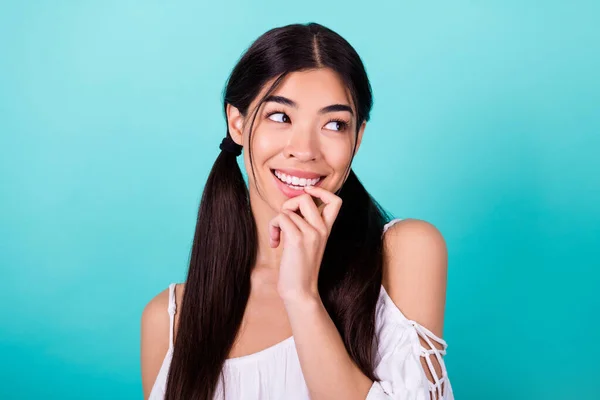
301, 183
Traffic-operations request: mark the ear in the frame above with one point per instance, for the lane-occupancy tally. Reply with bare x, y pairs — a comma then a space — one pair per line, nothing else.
360, 135
235, 124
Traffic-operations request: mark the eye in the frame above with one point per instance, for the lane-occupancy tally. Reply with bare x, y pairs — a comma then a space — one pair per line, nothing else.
337, 125
279, 117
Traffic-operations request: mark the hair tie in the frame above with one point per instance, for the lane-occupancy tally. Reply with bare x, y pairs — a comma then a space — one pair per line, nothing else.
228, 145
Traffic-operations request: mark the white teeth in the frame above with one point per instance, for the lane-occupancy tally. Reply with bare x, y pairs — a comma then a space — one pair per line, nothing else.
295, 181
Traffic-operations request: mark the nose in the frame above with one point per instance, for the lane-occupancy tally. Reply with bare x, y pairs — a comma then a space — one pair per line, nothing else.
302, 145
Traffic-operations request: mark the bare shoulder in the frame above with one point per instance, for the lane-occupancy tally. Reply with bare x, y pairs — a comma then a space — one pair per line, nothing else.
155, 316
155, 326
415, 271
155, 312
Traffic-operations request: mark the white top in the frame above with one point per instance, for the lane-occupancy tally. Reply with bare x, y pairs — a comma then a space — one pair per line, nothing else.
275, 373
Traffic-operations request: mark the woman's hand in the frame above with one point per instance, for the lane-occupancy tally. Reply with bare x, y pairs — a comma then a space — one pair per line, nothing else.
305, 235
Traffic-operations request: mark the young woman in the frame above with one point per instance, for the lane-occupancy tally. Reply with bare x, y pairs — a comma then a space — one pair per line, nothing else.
300, 285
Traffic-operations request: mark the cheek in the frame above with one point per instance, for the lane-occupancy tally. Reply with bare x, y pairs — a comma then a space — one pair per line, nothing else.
338, 156
264, 146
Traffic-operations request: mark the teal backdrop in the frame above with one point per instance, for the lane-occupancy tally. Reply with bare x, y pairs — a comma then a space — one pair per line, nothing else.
486, 124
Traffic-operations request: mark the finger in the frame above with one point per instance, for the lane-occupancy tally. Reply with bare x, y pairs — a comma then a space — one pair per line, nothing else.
300, 222
310, 234
277, 225
309, 210
332, 203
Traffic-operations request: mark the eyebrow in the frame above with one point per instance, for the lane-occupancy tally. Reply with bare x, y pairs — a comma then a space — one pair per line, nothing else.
288, 102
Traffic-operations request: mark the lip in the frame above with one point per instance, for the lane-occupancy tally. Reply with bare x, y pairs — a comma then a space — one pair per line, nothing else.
288, 191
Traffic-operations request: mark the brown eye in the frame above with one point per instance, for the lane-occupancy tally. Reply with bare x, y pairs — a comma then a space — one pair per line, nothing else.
336, 125
279, 117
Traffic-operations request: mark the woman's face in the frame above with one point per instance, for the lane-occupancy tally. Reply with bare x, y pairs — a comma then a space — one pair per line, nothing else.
304, 133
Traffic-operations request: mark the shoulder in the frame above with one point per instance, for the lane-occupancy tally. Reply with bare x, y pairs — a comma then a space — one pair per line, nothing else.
157, 306
155, 326
415, 271
155, 316
153, 313
410, 232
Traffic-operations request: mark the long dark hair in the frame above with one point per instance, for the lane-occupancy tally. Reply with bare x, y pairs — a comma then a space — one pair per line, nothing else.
225, 241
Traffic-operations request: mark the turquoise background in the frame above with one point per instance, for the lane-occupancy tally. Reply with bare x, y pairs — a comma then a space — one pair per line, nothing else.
486, 123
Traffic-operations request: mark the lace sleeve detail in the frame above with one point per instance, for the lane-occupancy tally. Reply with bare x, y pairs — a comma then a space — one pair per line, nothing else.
439, 386
403, 375
410, 362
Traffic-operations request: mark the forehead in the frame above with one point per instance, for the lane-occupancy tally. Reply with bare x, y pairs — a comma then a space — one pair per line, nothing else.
313, 89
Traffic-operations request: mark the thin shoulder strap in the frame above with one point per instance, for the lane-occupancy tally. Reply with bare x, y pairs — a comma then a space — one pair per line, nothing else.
392, 222
172, 310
